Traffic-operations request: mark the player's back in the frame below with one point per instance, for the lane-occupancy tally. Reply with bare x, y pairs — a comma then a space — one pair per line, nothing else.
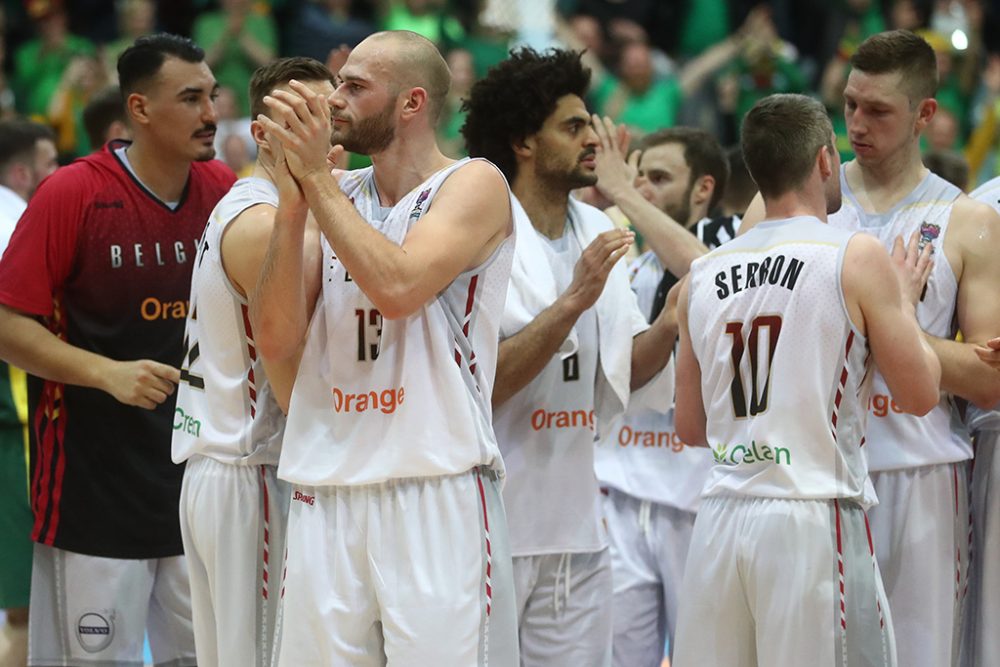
784, 372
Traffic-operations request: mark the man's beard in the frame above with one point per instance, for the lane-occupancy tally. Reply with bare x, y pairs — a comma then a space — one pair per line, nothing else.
561, 178
681, 211
370, 135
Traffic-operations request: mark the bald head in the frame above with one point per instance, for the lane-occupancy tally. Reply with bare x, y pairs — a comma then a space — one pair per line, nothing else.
411, 61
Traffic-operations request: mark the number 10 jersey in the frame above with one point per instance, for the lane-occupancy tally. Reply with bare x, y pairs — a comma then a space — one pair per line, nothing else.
785, 376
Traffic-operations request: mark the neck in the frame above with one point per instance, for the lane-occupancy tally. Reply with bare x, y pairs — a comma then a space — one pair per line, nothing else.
261, 169
405, 164
880, 186
546, 209
166, 178
794, 204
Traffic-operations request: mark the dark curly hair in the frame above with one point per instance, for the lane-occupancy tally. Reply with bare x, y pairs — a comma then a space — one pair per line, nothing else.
515, 97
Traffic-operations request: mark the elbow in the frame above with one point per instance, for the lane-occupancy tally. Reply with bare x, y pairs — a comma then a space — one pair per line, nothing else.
690, 435
919, 402
989, 397
396, 303
275, 343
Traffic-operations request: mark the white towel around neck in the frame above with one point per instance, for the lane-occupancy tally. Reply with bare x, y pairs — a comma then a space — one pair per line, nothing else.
533, 289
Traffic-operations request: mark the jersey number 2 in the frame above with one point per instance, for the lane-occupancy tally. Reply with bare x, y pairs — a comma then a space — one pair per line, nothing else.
758, 394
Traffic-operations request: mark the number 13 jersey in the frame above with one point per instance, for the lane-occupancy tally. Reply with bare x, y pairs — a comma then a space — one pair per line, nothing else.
785, 375
378, 399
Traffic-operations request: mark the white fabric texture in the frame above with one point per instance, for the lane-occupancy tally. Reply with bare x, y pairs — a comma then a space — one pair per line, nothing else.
406, 573
782, 583
564, 609
234, 565
93, 610
921, 530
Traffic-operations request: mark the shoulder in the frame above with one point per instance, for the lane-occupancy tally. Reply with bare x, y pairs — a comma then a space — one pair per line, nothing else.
77, 181
475, 180
974, 224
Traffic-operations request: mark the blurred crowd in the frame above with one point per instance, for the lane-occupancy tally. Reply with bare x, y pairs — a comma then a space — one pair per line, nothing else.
656, 63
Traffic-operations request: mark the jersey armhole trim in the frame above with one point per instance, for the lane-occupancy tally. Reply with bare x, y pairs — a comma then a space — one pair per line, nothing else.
841, 255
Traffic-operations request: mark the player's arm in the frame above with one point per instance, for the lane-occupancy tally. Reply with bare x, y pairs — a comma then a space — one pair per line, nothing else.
522, 356
674, 245
652, 348
755, 214
976, 229
281, 283
881, 295
27, 344
689, 408
41, 254
244, 250
470, 217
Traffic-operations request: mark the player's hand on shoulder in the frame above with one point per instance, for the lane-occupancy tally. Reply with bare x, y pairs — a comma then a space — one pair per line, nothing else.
143, 383
595, 264
913, 266
989, 353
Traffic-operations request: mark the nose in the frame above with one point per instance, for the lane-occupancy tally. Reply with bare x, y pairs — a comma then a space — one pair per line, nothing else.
209, 113
335, 100
590, 138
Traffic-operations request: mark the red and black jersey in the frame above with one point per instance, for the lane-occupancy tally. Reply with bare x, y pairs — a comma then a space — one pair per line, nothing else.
107, 266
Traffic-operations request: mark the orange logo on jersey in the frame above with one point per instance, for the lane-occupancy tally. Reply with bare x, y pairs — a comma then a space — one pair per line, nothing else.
153, 309
880, 405
544, 419
386, 400
629, 437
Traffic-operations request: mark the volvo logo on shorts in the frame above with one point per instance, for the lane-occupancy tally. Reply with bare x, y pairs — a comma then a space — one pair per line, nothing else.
95, 632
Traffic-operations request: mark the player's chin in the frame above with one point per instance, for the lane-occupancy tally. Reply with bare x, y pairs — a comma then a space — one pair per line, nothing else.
205, 154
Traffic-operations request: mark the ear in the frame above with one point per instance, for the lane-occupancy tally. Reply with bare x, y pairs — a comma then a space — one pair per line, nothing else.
824, 161
258, 134
414, 102
925, 113
137, 107
524, 148
703, 189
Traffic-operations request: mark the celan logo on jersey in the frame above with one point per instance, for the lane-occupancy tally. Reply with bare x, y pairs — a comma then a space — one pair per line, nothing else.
755, 452
385, 401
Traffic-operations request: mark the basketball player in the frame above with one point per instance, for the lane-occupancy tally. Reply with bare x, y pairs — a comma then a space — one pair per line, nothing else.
980, 646
29, 155
653, 480
528, 117
919, 464
397, 542
109, 243
230, 424
776, 332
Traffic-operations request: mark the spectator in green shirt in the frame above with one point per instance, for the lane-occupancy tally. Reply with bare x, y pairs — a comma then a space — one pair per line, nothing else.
237, 40
39, 63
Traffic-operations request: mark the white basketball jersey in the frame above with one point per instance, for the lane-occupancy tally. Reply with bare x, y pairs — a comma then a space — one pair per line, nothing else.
642, 455
784, 373
897, 440
225, 408
546, 434
378, 399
